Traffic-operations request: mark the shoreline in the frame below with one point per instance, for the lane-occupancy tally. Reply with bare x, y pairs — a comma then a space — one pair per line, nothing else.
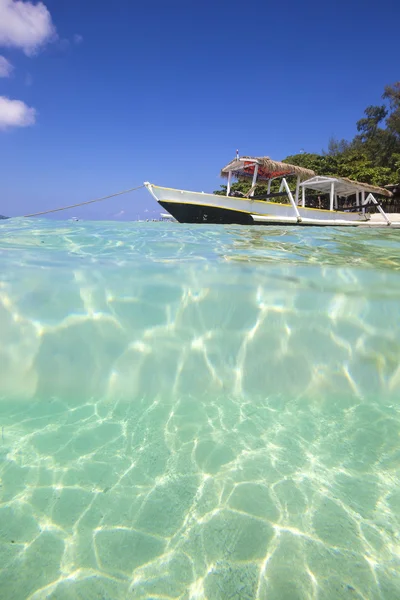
378, 218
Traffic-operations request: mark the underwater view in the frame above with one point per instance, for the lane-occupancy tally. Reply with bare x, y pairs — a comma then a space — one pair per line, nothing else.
199, 412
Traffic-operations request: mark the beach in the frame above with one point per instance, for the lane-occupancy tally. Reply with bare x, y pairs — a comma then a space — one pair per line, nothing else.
377, 217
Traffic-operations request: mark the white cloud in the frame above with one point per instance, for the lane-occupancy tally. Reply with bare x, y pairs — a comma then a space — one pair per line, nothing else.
25, 25
78, 39
6, 67
15, 113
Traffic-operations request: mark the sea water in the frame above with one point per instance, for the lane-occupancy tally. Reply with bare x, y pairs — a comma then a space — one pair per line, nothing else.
199, 412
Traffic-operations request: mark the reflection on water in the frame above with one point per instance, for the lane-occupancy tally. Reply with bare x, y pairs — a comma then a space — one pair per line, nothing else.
199, 412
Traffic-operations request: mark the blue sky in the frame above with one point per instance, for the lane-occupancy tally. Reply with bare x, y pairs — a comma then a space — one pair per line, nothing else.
119, 93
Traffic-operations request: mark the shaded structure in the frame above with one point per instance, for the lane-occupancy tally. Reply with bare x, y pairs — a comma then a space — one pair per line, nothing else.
283, 206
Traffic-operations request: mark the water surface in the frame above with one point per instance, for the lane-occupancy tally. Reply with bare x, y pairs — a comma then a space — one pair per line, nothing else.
199, 412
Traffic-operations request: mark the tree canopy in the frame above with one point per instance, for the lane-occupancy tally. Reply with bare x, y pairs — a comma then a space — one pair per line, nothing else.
372, 156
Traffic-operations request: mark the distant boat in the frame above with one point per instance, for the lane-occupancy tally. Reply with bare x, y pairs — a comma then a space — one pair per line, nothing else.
167, 217
248, 209
3, 217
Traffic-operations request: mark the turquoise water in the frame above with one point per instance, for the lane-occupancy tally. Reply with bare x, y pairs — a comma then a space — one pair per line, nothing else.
199, 412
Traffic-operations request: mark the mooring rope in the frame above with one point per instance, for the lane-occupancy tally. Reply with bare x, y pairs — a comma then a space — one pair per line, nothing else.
52, 210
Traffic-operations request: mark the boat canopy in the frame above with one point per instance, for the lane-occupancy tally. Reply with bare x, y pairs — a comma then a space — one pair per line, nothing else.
343, 187
264, 168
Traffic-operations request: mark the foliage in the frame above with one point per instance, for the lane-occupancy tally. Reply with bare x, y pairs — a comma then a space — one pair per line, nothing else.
392, 95
373, 156
261, 190
336, 147
354, 164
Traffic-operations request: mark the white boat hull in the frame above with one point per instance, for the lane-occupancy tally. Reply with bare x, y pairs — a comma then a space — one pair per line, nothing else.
199, 207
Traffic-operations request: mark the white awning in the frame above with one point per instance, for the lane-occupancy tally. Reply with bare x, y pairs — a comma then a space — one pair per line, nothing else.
343, 186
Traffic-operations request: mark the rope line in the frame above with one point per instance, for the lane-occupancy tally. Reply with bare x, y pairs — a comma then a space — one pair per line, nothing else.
52, 210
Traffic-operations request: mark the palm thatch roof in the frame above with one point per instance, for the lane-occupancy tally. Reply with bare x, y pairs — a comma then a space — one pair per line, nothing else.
368, 187
344, 186
243, 168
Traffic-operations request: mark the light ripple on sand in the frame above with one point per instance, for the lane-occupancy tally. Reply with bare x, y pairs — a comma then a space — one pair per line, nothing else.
224, 426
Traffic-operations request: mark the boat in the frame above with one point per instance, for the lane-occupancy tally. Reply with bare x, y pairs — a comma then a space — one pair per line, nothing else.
287, 204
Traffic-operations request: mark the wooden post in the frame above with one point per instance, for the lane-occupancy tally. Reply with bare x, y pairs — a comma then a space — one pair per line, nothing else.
254, 179
297, 190
228, 187
292, 202
332, 196
384, 215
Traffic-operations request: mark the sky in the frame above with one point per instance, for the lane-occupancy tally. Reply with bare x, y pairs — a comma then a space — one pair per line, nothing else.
97, 97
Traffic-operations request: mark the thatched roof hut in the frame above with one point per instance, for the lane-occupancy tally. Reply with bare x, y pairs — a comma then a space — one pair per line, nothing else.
243, 168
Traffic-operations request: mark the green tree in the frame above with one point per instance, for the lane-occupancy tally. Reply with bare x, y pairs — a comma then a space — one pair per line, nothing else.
392, 95
376, 143
336, 147
368, 126
373, 156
